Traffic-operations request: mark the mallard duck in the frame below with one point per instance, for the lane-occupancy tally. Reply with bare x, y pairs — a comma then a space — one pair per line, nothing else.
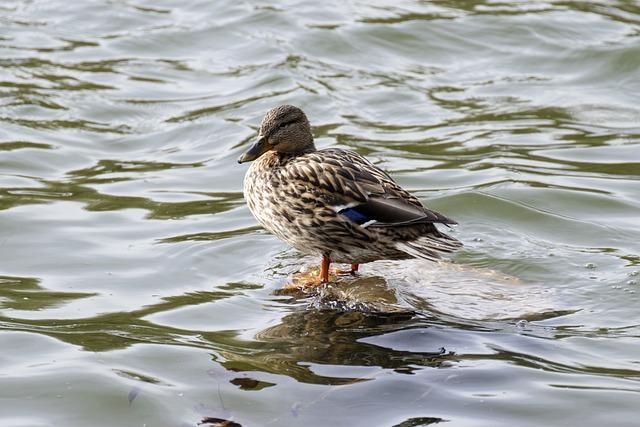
333, 202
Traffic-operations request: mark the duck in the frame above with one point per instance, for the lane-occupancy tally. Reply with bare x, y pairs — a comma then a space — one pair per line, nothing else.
334, 203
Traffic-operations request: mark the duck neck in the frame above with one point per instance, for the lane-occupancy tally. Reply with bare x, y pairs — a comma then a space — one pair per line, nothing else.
309, 147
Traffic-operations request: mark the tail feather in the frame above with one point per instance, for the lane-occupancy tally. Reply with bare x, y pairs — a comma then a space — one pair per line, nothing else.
429, 247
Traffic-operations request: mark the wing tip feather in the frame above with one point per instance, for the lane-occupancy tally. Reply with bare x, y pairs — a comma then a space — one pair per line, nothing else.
430, 247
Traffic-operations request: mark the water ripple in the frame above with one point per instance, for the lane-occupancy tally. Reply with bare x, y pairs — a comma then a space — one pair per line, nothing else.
137, 288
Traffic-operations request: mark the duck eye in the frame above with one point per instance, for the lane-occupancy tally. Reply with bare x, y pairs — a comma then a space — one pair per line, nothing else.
284, 124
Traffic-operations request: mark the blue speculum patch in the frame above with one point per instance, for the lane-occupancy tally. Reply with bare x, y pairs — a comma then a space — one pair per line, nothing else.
354, 215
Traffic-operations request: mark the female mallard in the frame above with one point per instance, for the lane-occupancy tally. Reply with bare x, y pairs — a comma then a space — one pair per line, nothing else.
334, 202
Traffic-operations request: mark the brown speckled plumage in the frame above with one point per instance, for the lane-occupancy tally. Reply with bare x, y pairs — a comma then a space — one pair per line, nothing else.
334, 202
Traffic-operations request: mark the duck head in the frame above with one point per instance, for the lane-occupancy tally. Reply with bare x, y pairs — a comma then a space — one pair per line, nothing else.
284, 129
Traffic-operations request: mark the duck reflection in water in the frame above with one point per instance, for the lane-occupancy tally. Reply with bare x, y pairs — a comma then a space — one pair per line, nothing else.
329, 337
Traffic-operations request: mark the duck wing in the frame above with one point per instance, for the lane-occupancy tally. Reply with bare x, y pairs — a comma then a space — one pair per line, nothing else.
363, 193
395, 212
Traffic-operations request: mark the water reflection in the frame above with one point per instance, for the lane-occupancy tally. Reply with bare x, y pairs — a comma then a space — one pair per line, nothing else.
95, 200
26, 293
120, 330
329, 337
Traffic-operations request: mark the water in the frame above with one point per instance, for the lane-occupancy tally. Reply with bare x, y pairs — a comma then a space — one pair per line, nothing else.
136, 288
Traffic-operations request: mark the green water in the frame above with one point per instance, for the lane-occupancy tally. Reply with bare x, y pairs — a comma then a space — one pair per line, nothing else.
136, 289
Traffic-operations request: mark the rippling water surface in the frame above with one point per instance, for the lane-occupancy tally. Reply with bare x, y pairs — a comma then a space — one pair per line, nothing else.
136, 288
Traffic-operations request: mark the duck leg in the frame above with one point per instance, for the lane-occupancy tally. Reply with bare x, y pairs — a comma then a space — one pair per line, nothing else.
352, 271
324, 269
303, 281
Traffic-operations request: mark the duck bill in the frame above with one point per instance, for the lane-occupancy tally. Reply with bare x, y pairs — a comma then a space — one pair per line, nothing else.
257, 149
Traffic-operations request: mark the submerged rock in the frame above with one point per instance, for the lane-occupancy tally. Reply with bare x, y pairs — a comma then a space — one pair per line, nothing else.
415, 286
